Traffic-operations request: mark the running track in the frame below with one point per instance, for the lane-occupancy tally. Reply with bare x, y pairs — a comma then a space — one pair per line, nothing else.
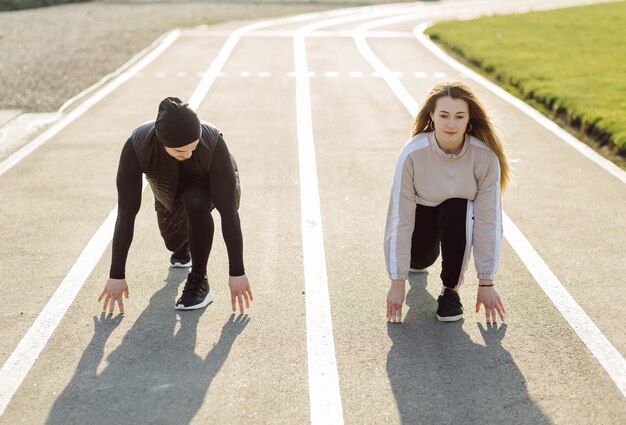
315, 108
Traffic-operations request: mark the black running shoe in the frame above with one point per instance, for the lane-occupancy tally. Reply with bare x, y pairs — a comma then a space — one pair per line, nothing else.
181, 258
450, 308
196, 294
180, 263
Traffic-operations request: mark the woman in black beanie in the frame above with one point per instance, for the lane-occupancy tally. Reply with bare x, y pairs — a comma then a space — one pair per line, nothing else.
190, 170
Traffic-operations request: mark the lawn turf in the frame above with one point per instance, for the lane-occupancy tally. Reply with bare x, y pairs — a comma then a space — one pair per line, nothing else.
571, 62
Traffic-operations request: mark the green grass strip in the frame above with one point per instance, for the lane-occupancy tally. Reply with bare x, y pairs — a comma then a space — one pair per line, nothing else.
571, 61
6, 5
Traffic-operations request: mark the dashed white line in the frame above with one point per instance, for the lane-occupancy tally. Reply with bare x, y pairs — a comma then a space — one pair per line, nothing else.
312, 74
289, 34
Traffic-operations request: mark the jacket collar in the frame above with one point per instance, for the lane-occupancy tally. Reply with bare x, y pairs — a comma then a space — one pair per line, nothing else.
435, 147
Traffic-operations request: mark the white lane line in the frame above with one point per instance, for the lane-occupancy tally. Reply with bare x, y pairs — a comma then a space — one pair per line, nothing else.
608, 356
30, 346
324, 389
23, 357
541, 119
324, 392
380, 70
27, 149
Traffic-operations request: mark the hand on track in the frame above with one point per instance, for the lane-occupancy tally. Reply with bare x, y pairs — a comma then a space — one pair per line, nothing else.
395, 299
490, 298
240, 291
113, 291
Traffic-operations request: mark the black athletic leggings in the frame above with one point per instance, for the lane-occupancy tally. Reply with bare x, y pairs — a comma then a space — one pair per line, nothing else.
450, 225
190, 220
189, 224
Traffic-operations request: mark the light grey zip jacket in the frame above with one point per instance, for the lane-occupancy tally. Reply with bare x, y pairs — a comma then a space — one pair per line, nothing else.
427, 175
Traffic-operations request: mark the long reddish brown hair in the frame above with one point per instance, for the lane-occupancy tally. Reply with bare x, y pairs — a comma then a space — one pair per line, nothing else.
480, 125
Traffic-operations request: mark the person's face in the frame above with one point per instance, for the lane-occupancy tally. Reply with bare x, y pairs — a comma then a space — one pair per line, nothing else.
450, 118
184, 152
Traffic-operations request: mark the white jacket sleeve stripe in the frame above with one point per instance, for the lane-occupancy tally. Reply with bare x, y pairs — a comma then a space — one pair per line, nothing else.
393, 219
469, 233
488, 224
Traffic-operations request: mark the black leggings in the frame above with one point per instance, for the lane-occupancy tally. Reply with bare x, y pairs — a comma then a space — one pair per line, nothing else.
189, 221
450, 225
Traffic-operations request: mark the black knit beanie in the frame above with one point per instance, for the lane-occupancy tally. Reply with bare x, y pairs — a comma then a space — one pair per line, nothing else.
176, 124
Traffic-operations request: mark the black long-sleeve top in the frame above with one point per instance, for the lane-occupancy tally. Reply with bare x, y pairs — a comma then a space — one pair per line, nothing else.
221, 178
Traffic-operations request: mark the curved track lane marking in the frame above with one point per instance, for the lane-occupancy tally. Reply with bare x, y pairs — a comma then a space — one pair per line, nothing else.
324, 389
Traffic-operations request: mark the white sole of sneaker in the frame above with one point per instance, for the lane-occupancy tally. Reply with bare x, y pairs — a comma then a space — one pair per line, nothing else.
449, 318
178, 265
208, 300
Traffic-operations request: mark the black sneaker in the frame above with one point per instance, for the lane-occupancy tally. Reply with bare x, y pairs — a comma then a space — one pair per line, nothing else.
181, 258
450, 308
196, 294
180, 263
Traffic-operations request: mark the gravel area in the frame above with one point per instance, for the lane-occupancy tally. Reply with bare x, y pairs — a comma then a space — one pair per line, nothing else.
49, 55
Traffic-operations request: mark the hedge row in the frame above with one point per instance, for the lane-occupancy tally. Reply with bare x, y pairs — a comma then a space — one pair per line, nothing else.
6, 5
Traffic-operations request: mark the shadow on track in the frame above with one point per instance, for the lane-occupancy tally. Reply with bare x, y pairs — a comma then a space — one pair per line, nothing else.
154, 376
440, 376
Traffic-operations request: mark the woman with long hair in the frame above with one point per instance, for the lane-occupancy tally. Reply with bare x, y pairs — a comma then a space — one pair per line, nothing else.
446, 197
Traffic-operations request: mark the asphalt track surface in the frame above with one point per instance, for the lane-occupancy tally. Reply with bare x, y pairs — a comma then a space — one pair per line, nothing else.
316, 109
